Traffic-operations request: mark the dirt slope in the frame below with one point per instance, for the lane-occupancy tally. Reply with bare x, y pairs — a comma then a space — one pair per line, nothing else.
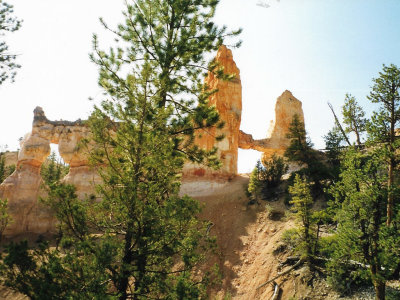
245, 235
247, 238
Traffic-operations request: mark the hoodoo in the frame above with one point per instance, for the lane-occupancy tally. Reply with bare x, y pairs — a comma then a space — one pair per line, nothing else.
228, 101
286, 107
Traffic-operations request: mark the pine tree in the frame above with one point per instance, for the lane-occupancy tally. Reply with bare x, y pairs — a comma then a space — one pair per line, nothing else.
7, 23
5, 217
52, 170
300, 151
382, 126
256, 182
266, 176
274, 168
300, 148
354, 117
174, 37
361, 236
302, 202
333, 144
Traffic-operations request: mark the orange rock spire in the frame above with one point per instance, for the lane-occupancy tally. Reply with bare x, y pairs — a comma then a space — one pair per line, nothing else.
228, 101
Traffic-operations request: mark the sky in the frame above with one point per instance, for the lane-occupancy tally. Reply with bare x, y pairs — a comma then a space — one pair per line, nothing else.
319, 50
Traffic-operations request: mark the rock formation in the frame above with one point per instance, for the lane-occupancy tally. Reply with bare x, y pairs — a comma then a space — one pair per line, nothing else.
276, 142
23, 187
228, 101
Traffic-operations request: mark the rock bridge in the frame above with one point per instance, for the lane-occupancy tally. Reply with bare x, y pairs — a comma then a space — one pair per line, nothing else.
23, 187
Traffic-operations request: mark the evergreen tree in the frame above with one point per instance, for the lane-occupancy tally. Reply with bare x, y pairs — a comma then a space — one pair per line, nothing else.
141, 239
361, 237
300, 148
354, 117
266, 176
256, 182
7, 23
333, 144
382, 126
300, 151
174, 37
52, 170
302, 202
274, 169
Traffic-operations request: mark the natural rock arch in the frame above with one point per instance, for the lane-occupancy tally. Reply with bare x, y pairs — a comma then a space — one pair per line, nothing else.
23, 187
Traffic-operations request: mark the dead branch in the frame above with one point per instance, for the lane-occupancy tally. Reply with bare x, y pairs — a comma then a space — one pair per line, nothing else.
290, 260
277, 291
281, 274
339, 125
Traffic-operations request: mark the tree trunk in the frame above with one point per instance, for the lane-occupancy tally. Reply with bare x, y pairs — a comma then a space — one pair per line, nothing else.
358, 138
123, 281
379, 289
391, 163
390, 196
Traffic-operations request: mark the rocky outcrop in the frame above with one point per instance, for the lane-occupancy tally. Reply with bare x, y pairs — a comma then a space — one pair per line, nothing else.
23, 187
286, 107
228, 102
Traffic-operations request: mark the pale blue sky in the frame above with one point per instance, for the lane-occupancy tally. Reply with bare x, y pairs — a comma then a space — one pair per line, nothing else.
317, 49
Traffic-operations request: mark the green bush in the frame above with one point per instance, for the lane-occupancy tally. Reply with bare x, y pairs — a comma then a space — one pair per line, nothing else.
291, 238
273, 171
345, 276
266, 176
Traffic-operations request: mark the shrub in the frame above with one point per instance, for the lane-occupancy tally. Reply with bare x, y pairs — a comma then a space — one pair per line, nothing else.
273, 171
267, 176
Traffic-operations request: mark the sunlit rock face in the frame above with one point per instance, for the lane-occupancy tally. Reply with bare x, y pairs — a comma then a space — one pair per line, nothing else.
286, 107
228, 102
24, 187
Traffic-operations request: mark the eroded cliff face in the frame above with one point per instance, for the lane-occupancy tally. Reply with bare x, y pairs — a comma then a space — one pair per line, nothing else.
23, 187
